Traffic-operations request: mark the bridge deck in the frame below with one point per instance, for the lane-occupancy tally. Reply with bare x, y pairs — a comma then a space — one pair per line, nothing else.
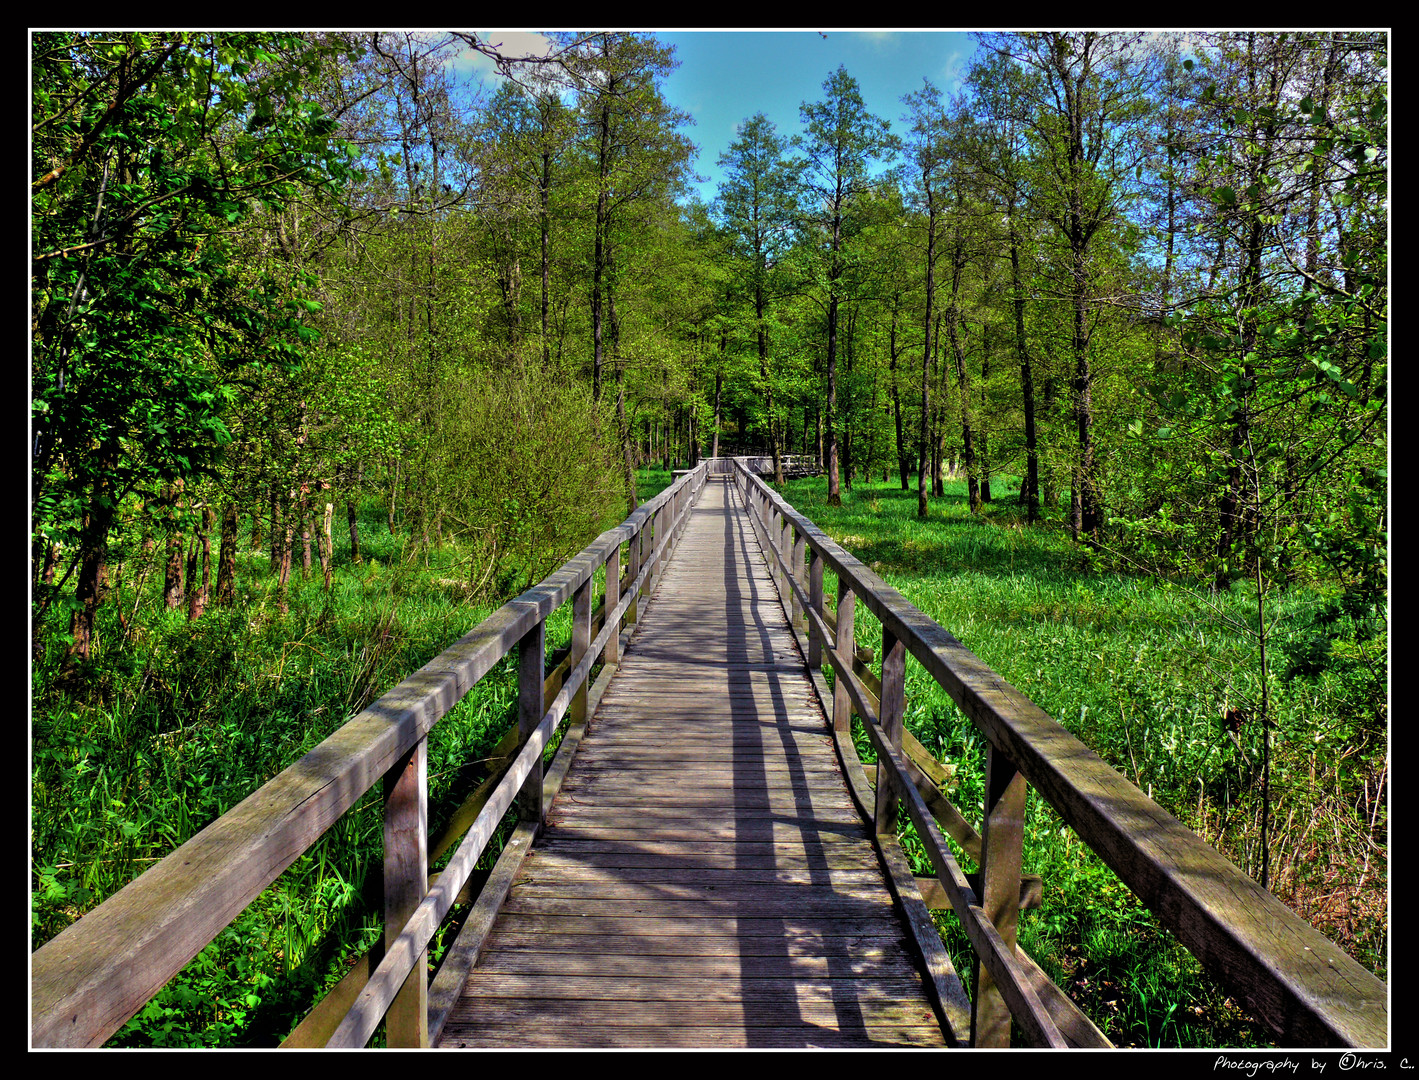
704, 879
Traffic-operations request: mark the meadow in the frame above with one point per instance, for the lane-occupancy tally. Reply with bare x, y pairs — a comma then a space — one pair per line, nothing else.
1162, 679
176, 722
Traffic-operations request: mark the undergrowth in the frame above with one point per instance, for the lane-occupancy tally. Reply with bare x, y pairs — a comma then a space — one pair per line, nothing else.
1162, 680
174, 723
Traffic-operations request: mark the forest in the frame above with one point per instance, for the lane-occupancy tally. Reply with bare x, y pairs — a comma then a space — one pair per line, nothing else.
1120, 305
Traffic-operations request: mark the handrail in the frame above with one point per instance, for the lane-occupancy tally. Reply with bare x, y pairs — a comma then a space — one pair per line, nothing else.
98, 972
1288, 974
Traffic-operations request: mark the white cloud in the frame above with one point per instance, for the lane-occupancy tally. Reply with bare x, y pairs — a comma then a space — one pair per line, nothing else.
510, 43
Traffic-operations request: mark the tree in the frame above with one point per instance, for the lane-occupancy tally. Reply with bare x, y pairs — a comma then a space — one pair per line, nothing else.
639, 159
928, 153
758, 206
636, 152
1088, 94
840, 139
998, 153
148, 150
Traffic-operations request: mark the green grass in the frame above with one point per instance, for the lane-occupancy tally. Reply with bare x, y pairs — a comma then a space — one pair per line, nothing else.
177, 722
1142, 671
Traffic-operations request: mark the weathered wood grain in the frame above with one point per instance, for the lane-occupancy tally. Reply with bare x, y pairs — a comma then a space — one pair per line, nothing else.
1288, 974
703, 851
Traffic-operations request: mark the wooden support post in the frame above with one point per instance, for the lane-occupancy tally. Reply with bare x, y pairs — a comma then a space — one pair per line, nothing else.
531, 659
785, 550
581, 641
892, 704
842, 702
612, 655
1002, 840
633, 569
406, 877
815, 598
800, 574
657, 535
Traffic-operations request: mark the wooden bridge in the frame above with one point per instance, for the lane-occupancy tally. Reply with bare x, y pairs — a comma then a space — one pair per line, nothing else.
706, 862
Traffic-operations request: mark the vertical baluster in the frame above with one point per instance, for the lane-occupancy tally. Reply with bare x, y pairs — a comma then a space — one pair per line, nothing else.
581, 641
657, 544
800, 574
892, 705
406, 877
633, 569
1002, 840
531, 660
612, 655
785, 549
815, 597
842, 704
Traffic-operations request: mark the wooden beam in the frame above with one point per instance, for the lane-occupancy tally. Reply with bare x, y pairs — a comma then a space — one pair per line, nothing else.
1304, 986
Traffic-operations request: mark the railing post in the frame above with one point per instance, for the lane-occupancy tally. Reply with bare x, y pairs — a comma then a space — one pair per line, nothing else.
406, 879
581, 641
612, 655
785, 550
1002, 841
800, 574
815, 597
842, 703
634, 552
531, 659
657, 533
892, 704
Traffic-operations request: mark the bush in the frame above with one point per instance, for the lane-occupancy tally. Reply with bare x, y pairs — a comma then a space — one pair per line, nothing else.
530, 474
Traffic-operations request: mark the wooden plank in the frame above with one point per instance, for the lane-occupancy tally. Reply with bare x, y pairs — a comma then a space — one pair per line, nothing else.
874, 963
1002, 838
406, 877
693, 1014
777, 927
892, 707
93, 976
447, 984
671, 1036
531, 651
1291, 976
703, 847
861, 943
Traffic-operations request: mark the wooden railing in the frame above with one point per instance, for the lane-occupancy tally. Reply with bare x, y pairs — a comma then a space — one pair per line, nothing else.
1296, 980
95, 975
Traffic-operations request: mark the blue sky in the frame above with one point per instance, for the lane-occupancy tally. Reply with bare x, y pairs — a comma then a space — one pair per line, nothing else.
727, 76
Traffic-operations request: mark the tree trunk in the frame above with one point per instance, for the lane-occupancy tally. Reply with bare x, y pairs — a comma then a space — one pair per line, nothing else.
1030, 490
834, 479
327, 547
305, 512
92, 587
284, 573
968, 453
172, 572
718, 391
276, 526
226, 558
354, 530
983, 434
196, 600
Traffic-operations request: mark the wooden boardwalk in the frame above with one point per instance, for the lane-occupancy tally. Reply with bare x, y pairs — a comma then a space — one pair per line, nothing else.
704, 879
